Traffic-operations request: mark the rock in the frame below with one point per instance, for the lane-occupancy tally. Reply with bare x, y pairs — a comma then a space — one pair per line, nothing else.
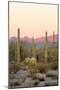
14, 82
51, 83
27, 83
11, 76
22, 74
35, 82
40, 84
40, 76
48, 83
52, 74
48, 79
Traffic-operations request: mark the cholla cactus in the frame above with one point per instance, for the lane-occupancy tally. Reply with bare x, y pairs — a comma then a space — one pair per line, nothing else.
30, 61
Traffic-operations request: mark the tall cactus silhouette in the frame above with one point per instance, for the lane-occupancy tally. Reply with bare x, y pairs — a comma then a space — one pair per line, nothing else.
33, 47
15, 52
18, 46
53, 38
46, 48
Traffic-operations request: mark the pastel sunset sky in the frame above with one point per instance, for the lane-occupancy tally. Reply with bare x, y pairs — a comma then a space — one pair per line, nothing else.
32, 19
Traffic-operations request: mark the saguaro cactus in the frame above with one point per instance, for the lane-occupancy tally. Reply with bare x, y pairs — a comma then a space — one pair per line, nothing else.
18, 46
46, 48
53, 38
33, 48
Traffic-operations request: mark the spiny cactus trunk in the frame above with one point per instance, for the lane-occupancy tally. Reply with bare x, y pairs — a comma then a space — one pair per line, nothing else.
33, 48
18, 46
46, 49
15, 52
53, 39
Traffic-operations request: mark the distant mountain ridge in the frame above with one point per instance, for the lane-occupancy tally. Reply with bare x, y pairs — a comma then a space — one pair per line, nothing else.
37, 40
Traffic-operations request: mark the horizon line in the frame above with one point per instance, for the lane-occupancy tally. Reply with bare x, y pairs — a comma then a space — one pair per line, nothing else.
33, 36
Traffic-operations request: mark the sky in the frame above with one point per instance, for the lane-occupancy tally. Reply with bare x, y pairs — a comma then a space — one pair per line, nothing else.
32, 19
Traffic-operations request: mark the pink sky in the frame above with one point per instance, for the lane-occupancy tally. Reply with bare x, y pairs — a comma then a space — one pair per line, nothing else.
32, 19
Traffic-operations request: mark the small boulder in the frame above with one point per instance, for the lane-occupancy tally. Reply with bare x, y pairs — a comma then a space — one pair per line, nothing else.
53, 74
41, 84
51, 83
40, 76
27, 83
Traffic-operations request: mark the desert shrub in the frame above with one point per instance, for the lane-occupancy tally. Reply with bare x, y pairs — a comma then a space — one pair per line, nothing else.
14, 68
52, 54
33, 69
53, 65
42, 67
